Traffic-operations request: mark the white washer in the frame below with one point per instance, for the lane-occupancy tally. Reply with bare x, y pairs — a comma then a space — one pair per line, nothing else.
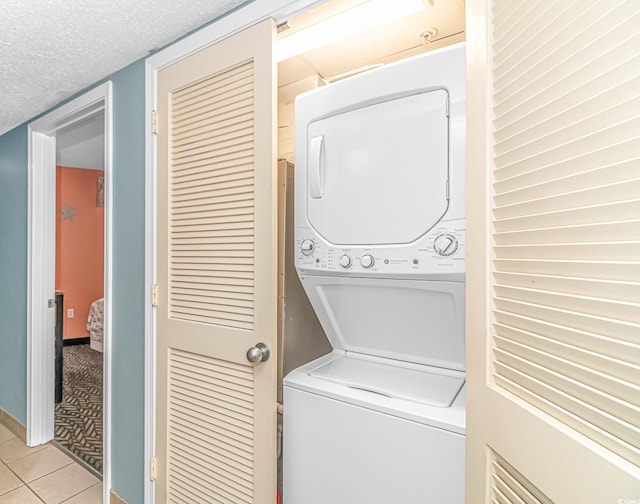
380, 252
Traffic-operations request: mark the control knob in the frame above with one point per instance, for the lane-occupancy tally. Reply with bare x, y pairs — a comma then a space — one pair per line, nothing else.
345, 261
445, 244
367, 261
307, 247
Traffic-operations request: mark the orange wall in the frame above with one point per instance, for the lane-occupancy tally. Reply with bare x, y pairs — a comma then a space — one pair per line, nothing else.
79, 246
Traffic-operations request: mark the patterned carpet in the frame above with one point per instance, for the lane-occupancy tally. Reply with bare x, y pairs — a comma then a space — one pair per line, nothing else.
79, 415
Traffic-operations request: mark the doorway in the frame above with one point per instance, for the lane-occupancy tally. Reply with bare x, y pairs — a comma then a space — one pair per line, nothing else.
43, 212
79, 284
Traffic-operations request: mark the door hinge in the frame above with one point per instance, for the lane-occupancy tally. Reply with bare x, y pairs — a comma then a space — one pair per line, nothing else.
284, 26
154, 295
154, 122
153, 469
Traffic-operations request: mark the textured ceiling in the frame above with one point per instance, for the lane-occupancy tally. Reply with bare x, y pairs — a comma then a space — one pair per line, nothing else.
51, 49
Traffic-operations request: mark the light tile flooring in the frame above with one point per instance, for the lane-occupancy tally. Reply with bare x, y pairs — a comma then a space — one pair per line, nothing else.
43, 474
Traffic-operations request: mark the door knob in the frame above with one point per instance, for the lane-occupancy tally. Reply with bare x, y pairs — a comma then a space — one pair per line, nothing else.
258, 353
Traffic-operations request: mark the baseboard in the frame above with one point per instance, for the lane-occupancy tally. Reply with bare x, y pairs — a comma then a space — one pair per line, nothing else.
114, 498
76, 341
13, 425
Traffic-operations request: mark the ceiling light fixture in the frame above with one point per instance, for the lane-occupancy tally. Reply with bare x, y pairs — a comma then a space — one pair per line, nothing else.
360, 19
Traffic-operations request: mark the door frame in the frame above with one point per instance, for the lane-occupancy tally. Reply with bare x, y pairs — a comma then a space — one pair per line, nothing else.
236, 21
42, 215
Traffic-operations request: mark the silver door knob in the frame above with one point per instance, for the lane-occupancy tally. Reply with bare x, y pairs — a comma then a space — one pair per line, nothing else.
258, 353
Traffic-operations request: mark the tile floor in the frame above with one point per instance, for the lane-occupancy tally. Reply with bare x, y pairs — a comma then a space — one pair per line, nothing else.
43, 474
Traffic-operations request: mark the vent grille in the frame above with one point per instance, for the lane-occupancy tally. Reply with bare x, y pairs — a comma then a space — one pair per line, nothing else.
566, 235
508, 486
210, 430
211, 200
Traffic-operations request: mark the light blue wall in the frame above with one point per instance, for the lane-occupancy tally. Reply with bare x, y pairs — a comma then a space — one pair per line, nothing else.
13, 272
127, 381
127, 416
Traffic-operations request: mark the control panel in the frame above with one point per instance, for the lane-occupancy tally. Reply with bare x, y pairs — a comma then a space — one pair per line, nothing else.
439, 253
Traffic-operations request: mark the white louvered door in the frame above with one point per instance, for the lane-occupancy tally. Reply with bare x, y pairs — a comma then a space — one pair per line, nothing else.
553, 241
217, 291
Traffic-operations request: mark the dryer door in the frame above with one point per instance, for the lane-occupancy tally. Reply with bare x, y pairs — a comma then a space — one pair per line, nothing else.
377, 175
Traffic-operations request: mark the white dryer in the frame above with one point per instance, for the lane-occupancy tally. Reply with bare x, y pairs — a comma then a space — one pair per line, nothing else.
380, 232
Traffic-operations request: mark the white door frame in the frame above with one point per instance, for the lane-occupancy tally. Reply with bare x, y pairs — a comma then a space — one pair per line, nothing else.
41, 264
254, 12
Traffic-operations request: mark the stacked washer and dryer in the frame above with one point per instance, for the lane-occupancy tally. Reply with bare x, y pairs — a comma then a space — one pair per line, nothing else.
380, 229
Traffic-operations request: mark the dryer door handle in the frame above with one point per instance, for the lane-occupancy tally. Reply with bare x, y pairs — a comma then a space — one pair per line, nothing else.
316, 172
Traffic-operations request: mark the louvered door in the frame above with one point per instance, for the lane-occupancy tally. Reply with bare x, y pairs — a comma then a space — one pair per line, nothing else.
553, 266
217, 238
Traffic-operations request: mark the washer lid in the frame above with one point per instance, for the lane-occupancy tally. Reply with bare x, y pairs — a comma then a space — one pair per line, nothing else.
407, 320
377, 175
422, 386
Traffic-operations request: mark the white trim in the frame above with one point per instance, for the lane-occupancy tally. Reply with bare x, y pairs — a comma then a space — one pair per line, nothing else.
40, 287
280, 10
150, 279
42, 214
108, 290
